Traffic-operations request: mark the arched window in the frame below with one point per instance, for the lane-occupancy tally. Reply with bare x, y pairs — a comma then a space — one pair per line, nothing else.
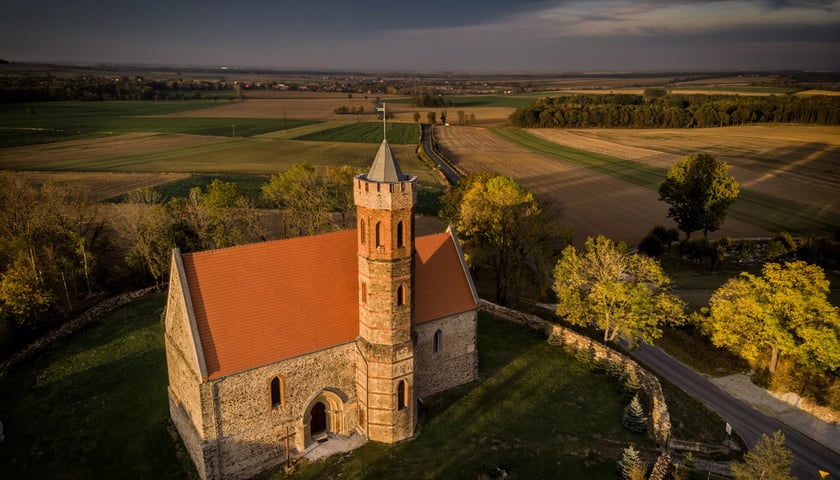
400, 295
362, 229
436, 341
400, 240
402, 395
364, 292
278, 392
378, 234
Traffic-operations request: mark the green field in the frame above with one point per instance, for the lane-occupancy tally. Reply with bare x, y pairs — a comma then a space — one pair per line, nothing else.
95, 406
769, 212
34, 123
366, 132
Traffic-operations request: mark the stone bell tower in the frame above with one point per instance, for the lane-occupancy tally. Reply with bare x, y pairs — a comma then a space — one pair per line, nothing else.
385, 199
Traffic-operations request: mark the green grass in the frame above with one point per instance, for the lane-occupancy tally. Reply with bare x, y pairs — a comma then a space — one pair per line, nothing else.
33, 123
94, 406
537, 413
366, 132
771, 213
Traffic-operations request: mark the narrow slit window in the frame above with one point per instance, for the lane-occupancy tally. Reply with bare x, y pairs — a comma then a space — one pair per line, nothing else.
400, 295
436, 341
364, 292
400, 241
402, 395
378, 234
278, 392
362, 230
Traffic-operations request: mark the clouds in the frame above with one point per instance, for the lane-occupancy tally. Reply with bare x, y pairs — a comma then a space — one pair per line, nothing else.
539, 35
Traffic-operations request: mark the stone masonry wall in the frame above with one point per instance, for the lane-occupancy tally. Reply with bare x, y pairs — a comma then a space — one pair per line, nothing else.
660, 420
251, 432
456, 361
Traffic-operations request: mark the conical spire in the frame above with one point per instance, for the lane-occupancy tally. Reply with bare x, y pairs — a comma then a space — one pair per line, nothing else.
385, 168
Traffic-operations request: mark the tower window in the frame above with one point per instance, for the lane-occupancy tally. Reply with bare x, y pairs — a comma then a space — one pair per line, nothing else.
364, 292
362, 230
402, 395
436, 341
400, 295
378, 234
278, 392
400, 240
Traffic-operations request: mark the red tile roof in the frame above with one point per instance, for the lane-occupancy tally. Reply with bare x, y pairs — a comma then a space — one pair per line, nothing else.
261, 303
441, 286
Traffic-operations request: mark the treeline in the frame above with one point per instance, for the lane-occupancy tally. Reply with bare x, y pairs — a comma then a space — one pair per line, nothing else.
430, 101
674, 111
47, 87
59, 253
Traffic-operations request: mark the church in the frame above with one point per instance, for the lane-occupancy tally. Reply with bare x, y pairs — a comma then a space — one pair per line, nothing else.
290, 342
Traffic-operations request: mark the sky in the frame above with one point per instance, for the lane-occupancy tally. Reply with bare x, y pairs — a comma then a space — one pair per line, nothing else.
430, 35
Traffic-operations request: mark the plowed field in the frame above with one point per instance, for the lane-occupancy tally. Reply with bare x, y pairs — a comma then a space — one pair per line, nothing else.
796, 163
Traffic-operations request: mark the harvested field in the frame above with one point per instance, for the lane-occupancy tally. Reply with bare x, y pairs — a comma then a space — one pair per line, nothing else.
101, 185
589, 202
797, 163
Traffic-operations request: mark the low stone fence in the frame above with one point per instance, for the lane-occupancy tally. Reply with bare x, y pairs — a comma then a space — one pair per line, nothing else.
65, 330
660, 420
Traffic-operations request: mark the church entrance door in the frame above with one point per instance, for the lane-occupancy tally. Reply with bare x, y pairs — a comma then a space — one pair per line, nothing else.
318, 424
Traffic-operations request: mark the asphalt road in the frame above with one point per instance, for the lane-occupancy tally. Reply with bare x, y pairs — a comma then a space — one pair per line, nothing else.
448, 171
809, 456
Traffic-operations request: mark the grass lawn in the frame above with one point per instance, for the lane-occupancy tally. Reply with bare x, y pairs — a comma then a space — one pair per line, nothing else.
766, 211
95, 405
536, 413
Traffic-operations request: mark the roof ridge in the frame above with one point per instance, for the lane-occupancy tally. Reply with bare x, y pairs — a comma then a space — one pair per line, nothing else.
267, 242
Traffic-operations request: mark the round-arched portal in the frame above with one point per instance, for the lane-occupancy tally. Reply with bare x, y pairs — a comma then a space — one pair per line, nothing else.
324, 414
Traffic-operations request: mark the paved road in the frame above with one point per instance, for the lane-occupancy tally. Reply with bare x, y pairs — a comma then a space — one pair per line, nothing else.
450, 174
809, 456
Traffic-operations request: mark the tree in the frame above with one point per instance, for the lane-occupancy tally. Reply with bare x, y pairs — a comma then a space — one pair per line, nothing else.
769, 459
634, 418
699, 191
432, 117
785, 311
630, 463
416, 117
625, 295
149, 223
504, 229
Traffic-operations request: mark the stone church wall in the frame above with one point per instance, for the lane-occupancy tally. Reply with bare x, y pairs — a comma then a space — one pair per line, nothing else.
455, 362
184, 374
252, 431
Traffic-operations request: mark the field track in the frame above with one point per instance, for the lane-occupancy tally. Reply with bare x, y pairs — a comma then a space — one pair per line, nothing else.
595, 203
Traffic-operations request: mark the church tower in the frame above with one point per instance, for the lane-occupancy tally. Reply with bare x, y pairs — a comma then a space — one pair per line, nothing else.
385, 199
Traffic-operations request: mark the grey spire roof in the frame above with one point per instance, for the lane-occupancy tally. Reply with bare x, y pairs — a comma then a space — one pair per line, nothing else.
385, 167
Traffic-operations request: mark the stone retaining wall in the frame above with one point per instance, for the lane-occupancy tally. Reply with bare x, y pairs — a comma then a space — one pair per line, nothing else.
68, 328
659, 419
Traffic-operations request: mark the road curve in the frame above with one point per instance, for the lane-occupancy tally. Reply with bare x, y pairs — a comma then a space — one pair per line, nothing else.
450, 173
809, 456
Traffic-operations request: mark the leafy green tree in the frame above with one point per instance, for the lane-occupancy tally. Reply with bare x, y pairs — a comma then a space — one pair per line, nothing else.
308, 197
150, 225
431, 117
416, 117
634, 418
785, 311
504, 228
699, 190
24, 300
625, 295
769, 459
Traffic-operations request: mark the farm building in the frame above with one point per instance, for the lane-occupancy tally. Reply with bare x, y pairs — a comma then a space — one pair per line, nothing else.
312, 338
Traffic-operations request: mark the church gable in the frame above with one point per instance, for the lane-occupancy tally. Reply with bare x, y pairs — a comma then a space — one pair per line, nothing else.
443, 285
